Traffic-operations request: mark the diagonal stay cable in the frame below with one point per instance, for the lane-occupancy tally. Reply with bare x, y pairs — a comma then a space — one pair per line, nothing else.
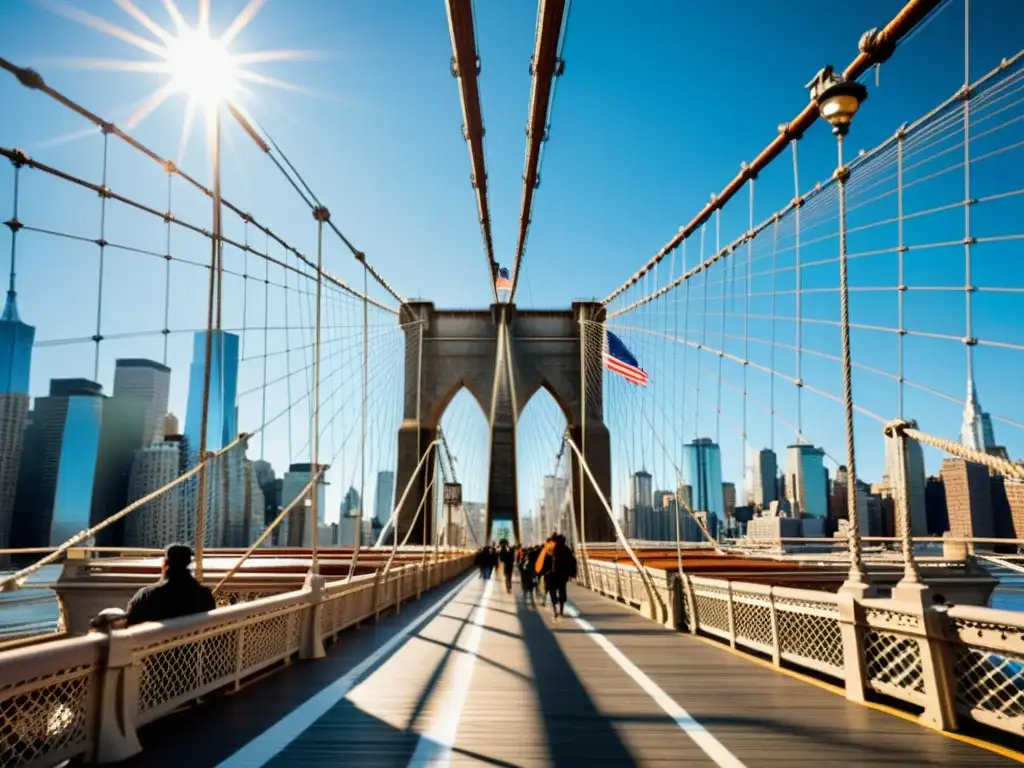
873, 49
359, 255
34, 81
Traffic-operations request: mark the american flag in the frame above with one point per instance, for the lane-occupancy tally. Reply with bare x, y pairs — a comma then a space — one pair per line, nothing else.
502, 281
620, 360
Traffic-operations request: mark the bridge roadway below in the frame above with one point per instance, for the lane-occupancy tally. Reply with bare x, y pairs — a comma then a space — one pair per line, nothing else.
475, 676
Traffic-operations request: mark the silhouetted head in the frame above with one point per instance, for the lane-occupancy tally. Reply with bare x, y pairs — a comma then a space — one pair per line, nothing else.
177, 558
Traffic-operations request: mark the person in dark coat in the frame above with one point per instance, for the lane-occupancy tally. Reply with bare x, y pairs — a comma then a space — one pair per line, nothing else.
507, 558
561, 568
481, 562
527, 576
176, 594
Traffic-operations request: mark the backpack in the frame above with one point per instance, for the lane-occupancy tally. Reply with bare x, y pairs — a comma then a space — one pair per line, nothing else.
564, 562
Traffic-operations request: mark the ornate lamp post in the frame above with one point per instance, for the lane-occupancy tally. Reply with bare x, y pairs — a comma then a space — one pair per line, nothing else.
838, 100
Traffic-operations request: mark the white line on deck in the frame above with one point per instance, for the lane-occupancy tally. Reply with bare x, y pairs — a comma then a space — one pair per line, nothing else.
435, 745
712, 747
269, 744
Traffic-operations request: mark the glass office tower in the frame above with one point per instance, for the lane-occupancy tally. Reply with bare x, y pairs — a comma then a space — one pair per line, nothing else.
222, 416
16, 340
702, 471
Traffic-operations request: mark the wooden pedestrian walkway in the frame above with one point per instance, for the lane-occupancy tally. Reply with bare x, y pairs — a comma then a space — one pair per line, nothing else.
474, 676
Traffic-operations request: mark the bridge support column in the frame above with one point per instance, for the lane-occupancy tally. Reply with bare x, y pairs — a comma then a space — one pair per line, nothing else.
116, 739
413, 442
595, 527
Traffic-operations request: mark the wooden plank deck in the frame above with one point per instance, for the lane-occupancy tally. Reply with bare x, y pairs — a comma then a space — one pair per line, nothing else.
481, 677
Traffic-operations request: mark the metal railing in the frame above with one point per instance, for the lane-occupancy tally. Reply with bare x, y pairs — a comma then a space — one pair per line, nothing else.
956, 662
85, 697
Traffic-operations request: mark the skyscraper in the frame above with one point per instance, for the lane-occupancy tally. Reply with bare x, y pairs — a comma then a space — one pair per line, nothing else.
157, 523
935, 503
294, 528
222, 413
968, 499
764, 477
270, 488
16, 340
702, 470
150, 382
805, 481
243, 515
729, 504
384, 497
351, 519
640, 490
915, 481
132, 419
555, 490
641, 505
55, 484
976, 431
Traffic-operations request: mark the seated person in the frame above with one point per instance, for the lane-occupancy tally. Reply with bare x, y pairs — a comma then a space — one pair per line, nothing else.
176, 594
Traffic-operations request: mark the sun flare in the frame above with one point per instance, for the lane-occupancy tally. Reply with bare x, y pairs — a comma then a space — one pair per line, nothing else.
197, 64
201, 68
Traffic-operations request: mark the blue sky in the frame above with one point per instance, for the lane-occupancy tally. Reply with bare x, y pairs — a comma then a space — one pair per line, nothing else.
655, 111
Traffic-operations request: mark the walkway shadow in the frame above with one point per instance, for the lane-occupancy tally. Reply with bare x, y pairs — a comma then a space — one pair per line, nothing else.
577, 733
184, 738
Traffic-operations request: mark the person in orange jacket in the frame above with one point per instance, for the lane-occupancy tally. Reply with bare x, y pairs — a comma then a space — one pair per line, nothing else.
543, 568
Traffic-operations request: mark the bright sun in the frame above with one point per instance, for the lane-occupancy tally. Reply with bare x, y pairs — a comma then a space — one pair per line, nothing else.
197, 65
201, 68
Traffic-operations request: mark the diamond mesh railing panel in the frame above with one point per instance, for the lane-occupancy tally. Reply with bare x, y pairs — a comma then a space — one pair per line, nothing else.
809, 633
753, 622
712, 610
990, 680
49, 719
266, 640
893, 664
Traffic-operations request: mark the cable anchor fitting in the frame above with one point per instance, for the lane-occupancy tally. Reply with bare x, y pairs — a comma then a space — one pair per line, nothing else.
877, 46
29, 78
896, 427
18, 158
321, 214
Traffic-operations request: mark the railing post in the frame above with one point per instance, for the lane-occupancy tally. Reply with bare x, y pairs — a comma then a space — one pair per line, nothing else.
376, 592
116, 739
912, 595
677, 605
311, 644
776, 640
732, 615
691, 598
850, 629
937, 664
239, 655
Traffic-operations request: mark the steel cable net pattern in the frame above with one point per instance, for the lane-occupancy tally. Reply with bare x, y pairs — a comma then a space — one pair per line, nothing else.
739, 331
739, 328
99, 460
